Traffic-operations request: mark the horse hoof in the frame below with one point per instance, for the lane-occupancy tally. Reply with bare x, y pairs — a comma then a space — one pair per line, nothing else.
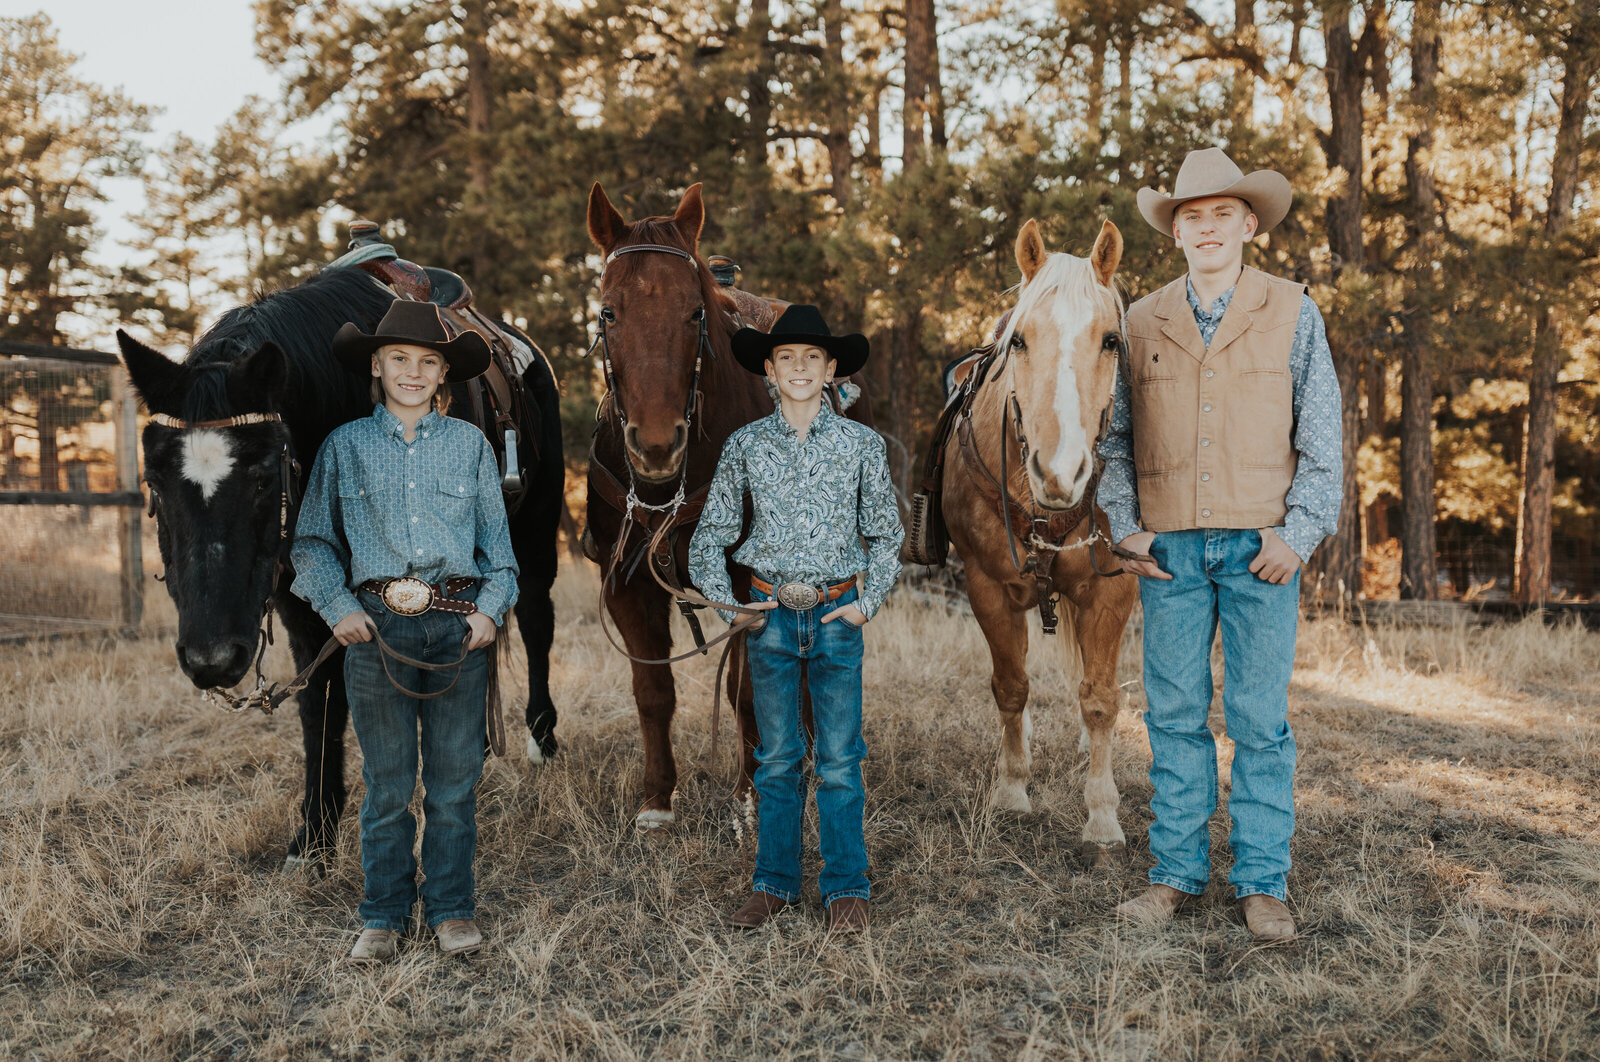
535, 753
1011, 798
1112, 856
653, 819
298, 866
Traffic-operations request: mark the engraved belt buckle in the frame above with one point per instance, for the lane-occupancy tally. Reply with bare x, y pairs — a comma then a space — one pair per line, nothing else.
407, 596
798, 596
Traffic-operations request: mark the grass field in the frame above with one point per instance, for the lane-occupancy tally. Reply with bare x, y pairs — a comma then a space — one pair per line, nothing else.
1447, 875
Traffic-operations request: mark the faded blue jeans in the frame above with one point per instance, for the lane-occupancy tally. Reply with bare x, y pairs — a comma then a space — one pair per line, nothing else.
1212, 587
387, 723
831, 653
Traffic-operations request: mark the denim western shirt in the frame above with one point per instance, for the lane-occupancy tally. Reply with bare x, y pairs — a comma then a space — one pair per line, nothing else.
378, 507
1317, 489
815, 500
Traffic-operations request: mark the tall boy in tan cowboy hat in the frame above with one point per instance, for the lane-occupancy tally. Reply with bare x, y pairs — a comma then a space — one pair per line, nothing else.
1222, 473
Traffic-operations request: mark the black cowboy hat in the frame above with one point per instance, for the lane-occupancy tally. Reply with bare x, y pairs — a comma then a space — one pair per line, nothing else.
415, 324
800, 324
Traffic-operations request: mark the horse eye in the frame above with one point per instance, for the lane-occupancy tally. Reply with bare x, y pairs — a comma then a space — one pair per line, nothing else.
698, 315
1110, 343
1017, 342
608, 315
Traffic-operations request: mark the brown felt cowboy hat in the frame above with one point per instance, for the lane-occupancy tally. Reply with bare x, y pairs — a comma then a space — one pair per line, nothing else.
1210, 172
414, 324
800, 324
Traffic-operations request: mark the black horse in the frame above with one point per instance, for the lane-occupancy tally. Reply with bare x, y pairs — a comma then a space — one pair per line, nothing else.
225, 507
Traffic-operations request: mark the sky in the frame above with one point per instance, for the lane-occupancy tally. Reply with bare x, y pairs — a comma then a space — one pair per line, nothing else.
194, 59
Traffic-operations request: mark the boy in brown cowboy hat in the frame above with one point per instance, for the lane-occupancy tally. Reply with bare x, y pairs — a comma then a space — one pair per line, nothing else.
819, 486
403, 534
1222, 473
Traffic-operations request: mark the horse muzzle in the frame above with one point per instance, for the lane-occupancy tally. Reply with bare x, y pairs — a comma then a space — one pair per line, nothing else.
656, 462
210, 664
1048, 489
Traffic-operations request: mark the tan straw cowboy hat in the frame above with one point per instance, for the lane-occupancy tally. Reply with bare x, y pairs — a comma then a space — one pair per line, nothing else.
1210, 172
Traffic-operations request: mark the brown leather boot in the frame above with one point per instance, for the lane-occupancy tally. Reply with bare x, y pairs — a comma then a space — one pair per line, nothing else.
374, 946
1268, 918
756, 910
458, 936
847, 914
1154, 905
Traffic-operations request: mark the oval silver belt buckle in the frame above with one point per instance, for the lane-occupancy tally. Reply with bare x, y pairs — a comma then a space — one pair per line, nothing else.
798, 596
407, 596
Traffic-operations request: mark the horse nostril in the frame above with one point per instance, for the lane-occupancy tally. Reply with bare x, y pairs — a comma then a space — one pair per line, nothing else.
630, 437
680, 436
1036, 466
214, 663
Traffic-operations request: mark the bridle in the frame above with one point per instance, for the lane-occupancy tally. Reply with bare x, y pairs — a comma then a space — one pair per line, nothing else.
1048, 531
666, 515
288, 498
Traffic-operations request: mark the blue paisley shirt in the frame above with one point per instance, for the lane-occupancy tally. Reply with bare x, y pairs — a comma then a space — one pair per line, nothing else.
1317, 489
378, 507
815, 500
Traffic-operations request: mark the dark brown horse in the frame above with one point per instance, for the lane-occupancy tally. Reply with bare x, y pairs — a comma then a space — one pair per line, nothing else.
675, 394
1032, 427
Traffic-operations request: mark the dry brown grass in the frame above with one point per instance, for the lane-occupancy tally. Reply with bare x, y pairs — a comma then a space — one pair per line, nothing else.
1447, 876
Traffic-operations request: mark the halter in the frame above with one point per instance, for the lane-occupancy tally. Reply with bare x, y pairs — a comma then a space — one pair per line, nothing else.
613, 401
288, 497
1039, 539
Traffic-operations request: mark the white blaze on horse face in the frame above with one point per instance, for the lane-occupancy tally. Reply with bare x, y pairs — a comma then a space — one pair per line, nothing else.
1072, 321
207, 460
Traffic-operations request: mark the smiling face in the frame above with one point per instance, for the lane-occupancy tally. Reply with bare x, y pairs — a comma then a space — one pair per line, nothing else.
1213, 232
800, 371
410, 376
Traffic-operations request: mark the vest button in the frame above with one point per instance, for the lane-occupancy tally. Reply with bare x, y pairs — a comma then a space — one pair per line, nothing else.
1203, 512
1205, 477
1205, 442
1210, 373
1206, 408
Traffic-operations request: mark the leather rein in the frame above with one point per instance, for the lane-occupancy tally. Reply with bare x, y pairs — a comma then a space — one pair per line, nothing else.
1043, 533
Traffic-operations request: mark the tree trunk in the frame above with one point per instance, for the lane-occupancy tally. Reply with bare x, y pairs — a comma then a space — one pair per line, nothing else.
907, 355
480, 159
1419, 567
837, 139
920, 57
1539, 465
1242, 86
1337, 565
758, 87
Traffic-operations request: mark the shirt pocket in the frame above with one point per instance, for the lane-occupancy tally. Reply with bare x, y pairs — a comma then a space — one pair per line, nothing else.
459, 488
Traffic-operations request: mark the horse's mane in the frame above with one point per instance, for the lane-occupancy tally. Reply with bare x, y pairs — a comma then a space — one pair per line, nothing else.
664, 232
301, 320
1067, 287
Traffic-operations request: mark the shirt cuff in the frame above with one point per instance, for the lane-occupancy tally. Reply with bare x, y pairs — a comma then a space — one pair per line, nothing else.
342, 605
1122, 524
1302, 536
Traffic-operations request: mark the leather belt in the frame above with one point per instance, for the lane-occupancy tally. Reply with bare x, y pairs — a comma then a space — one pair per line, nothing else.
410, 596
801, 596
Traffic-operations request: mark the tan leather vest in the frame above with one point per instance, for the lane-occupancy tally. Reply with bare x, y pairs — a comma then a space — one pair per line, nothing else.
1213, 429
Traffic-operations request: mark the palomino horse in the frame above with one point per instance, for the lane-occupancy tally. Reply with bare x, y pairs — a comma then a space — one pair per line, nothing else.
1032, 425
674, 395
234, 430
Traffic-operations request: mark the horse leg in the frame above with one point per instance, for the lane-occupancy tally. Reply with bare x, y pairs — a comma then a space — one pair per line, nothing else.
641, 614
741, 695
324, 713
1007, 633
1103, 607
536, 621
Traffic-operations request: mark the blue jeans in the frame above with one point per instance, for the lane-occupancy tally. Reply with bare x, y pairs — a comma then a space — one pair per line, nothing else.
452, 745
1212, 586
831, 655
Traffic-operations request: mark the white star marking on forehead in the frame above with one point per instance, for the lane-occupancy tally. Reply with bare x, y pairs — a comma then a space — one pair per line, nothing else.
207, 460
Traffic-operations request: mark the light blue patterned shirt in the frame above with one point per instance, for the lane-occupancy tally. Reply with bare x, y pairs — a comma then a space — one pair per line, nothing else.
815, 500
378, 507
1317, 489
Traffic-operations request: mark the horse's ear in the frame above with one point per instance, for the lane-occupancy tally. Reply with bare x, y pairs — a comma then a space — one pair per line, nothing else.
255, 383
690, 217
606, 226
1107, 253
155, 376
1030, 249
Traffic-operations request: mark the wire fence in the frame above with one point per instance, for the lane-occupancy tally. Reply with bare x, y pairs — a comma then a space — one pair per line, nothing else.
69, 488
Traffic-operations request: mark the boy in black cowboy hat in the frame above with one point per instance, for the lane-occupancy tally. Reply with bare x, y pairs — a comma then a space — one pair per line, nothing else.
820, 487
403, 533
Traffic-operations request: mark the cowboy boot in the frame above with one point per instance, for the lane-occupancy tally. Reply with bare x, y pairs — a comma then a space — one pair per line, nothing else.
374, 946
756, 910
458, 936
1268, 918
847, 914
1153, 906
